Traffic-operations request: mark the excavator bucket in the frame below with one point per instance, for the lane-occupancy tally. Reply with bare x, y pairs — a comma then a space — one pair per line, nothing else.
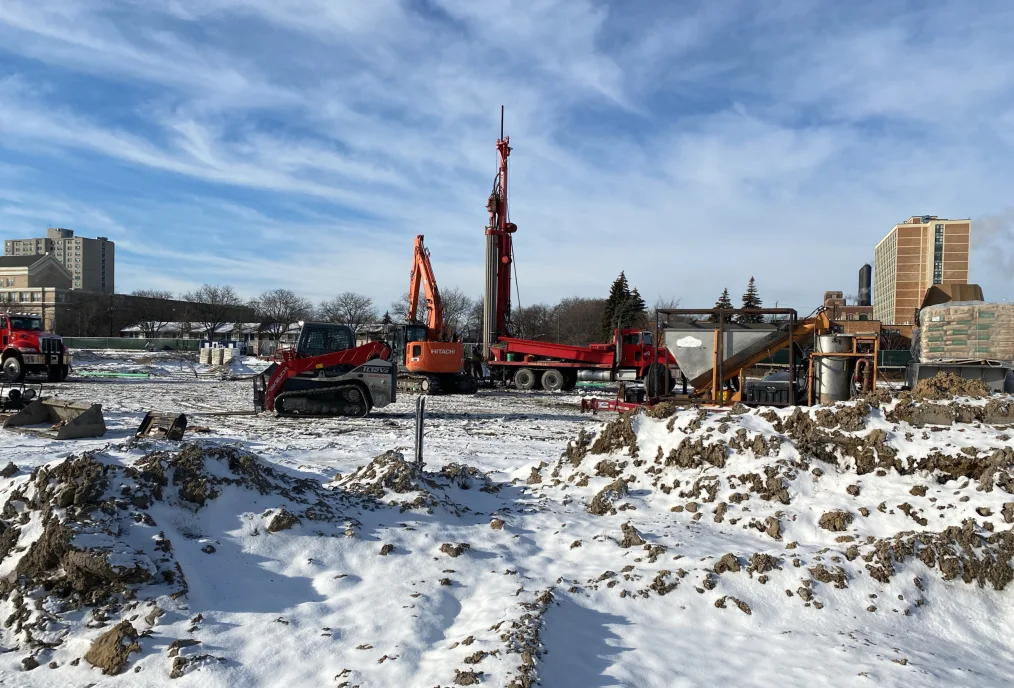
168, 426
60, 420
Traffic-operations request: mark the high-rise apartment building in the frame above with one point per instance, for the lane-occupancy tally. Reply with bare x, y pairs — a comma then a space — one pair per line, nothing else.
916, 254
92, 262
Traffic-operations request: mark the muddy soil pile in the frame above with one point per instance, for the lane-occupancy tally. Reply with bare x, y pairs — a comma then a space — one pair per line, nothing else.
816, 500
946, 385
80, 536
389, 480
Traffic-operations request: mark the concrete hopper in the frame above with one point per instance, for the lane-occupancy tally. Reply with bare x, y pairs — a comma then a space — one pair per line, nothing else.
693, 345
61, 420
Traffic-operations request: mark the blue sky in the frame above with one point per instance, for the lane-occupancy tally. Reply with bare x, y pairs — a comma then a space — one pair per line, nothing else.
304, 143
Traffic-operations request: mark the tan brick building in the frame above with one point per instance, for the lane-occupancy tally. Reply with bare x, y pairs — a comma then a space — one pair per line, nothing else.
91, 262
916, 254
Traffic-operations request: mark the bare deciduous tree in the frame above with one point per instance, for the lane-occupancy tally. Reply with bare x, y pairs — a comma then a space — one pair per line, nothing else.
457, 305
277, 309
212, 306
348, 308
580, 320
399, 309
154, 309
536, 322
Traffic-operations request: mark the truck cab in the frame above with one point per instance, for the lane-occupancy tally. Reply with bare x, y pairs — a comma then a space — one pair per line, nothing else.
28, 349
636, 349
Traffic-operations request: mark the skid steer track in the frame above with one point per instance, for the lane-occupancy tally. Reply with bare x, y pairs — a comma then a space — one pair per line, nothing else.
340, 399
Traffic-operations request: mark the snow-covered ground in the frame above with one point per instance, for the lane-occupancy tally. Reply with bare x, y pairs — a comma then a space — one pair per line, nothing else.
536, 546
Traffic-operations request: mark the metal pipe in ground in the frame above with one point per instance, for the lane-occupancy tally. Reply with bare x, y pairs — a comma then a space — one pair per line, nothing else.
420, 417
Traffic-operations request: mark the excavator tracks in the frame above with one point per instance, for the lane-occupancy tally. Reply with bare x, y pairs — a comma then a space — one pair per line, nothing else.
341, 399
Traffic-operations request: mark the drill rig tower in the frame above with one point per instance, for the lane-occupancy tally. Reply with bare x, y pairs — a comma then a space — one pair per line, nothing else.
499, 253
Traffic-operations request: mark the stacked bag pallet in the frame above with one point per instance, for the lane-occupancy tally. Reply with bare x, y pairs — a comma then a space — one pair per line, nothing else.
205, 355
966, 331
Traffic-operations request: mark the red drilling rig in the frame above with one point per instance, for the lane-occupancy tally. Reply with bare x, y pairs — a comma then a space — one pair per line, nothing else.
526, 363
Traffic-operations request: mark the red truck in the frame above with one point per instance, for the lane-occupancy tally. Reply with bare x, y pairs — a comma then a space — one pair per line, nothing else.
28, 348
631, 356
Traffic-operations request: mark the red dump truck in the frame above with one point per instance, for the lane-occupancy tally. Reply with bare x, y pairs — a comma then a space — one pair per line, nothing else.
28, 348
631, 356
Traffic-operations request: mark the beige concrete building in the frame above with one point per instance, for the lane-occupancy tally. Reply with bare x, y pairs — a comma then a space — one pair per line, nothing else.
91, 262
916, 254
34, 284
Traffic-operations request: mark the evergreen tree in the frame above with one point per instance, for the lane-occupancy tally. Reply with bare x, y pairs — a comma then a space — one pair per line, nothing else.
635, 310
619, 294
387, 318
724, 302
751, 299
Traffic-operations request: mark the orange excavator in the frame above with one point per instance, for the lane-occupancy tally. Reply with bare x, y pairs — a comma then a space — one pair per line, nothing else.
432, 361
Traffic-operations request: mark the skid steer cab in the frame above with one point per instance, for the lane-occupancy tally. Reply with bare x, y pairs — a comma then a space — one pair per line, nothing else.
29, 350
326, 374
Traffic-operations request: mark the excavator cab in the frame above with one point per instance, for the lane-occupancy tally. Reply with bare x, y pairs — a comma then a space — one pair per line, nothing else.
406, 342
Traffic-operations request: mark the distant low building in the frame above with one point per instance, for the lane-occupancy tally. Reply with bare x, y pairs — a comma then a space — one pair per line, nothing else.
838, 309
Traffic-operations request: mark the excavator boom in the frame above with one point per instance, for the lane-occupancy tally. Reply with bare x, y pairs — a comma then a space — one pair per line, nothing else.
422, 275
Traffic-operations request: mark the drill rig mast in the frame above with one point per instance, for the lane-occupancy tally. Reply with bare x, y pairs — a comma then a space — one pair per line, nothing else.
499, 253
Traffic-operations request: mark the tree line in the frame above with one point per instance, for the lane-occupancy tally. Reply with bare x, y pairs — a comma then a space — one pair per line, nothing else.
572, 320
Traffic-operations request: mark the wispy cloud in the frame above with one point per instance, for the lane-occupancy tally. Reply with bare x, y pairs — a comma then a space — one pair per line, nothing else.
304, 142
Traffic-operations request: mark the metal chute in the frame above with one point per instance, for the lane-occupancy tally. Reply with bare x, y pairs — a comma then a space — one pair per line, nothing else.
169, 426
61, 420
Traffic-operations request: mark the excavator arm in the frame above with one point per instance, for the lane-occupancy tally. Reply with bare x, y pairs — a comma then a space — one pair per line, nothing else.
422, 275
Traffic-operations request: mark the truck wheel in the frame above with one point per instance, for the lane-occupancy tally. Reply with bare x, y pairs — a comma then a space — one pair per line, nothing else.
657, 381
524, 379
552, 380
569, 380
14, 371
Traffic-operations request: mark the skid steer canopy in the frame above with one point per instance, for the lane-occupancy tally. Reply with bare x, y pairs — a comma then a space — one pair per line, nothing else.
169, 426
61, 420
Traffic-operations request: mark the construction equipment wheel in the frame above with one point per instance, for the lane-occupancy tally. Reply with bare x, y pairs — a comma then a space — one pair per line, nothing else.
524, 379
552, 380
14, 371
657, 381
569, 380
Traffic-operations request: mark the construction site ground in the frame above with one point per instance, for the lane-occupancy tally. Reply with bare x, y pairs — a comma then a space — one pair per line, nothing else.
868, 545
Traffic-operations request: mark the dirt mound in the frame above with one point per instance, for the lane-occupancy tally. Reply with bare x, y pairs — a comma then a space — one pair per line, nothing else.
616, 435
111, 650
945, 385
84, 534
602, 503
964, 552
406, 485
